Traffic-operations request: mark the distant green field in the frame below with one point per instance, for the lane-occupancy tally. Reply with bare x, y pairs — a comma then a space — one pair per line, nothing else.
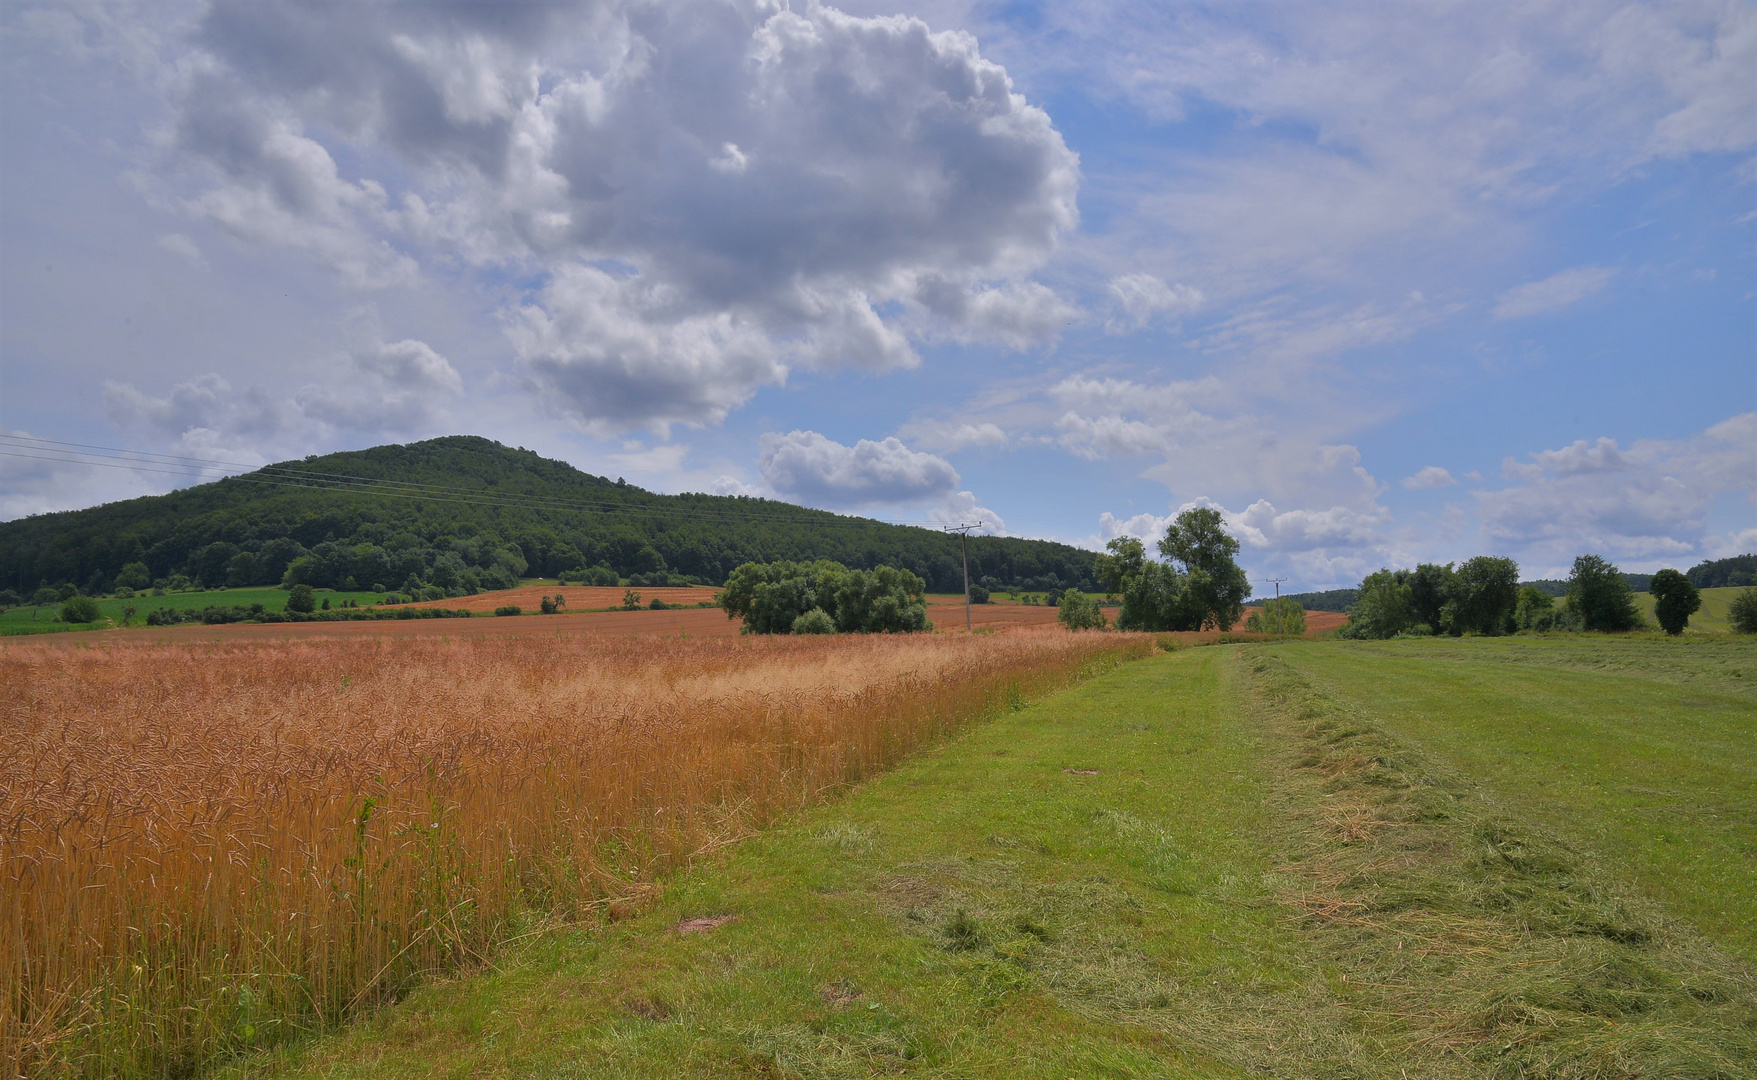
26, 619
1710, 619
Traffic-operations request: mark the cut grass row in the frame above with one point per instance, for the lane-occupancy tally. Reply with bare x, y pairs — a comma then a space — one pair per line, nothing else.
1229, 861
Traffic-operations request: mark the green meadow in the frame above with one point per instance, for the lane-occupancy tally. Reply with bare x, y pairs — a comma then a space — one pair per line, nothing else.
1710, 619
1476, 858
29, 619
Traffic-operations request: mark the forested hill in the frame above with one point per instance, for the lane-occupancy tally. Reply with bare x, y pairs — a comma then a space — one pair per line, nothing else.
464, 512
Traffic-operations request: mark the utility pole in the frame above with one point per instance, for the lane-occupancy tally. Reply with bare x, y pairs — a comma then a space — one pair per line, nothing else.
963, 532
1278, 581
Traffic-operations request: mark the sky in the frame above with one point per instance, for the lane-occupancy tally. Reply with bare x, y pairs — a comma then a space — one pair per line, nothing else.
1386, 283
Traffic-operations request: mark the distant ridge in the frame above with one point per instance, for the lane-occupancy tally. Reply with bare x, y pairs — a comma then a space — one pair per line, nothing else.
462, 512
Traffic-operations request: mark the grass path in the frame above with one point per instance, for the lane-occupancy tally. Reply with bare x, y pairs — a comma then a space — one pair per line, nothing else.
1205, 864
924, 925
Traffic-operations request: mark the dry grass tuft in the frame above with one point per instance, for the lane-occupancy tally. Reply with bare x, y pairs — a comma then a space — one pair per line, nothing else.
209, 847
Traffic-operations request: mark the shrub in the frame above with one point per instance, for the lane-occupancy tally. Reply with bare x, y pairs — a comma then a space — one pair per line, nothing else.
80, 609
300, 599
1674, 600
1743, 612
978, 594
631, 600
509, 609
1280, 616
550, 604
815, 621
1080, 612
658, 604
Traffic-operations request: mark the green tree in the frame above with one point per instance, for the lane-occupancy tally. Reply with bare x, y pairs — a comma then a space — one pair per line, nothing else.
1152, 592
1431, 586
1080, 612
815, 621
770, 597
1535, 610
883, 600
133, 575
1742, 612
1382, 609
1483, 594
1278, 616
301, 599
1600, 596
1674, 600
80, 609
1214, 586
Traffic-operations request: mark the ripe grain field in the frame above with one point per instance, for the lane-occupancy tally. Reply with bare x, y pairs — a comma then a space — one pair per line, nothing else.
213, 846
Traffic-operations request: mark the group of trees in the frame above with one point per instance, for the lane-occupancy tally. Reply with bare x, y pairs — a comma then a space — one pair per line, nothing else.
1483, 596
825, 597
394, 515
1479, 596
1199, 584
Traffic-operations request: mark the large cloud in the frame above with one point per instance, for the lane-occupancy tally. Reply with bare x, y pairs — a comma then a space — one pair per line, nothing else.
702, 192
818, 470
1205, 443
402, 387
1646, 502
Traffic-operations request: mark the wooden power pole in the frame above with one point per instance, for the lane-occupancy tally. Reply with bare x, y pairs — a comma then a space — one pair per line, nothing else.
963, 532
1278, 581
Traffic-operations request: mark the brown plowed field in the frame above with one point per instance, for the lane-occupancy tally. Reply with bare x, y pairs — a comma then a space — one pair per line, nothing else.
947, 613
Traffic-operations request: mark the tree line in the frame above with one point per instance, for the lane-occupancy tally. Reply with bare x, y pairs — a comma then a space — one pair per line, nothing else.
1483, 596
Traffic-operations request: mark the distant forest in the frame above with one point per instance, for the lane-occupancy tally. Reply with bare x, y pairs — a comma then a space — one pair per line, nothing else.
458, 514
1720, 573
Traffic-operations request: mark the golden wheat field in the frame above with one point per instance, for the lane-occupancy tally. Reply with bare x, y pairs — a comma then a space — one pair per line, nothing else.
210, 846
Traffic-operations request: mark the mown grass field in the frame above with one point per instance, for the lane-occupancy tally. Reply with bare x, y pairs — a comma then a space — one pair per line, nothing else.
28, 619
1305, 859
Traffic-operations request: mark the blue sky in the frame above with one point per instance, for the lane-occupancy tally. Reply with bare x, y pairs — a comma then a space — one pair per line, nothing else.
1387, 283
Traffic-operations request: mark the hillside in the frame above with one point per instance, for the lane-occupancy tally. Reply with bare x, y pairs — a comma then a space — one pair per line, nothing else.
461, 513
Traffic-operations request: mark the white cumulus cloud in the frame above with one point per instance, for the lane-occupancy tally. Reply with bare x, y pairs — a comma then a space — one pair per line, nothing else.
811, 467
704, 193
